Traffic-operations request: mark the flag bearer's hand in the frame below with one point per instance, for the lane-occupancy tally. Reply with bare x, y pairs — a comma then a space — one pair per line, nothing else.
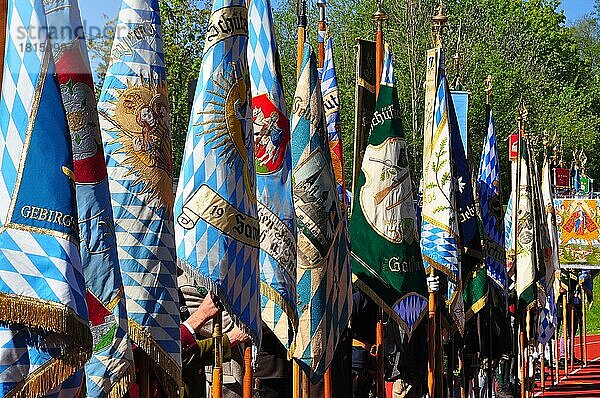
433, 283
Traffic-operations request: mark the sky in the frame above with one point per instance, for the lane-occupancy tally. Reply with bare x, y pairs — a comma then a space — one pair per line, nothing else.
93, 10
575, 9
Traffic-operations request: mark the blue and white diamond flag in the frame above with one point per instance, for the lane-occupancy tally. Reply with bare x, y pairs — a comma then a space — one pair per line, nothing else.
324, 276
44, 337
273, 164
439, 231
110, 367
217, 226
548, 318
134, 118
488, 185
331, 103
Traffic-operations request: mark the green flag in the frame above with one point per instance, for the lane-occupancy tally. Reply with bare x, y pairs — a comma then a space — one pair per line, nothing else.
386, 258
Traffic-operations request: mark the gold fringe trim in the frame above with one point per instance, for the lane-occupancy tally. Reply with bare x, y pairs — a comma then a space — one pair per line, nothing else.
121, 387
167, 370
274, 296
388, 310
50, 375
46, 315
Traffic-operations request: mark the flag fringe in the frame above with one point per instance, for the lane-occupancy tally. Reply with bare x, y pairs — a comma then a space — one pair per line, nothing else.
121, 387
274, 296
167, 370
210, 285
50, 375
49, 316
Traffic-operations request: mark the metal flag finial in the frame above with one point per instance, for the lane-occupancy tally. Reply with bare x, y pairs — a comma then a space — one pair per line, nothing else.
488, 84
379, 15
438, 23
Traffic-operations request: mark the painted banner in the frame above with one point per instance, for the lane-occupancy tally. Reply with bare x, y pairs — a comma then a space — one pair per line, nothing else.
324, 279
134, 119
578, 222
44, 334
273, 164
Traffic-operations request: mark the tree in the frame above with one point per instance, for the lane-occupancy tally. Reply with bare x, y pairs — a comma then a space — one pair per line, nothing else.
184, 28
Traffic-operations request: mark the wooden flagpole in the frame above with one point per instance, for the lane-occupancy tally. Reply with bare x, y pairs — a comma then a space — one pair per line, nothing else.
141, 361
543, 368
523, 363
433, 368
488, 84
565, 334
572, 335
327, 383
515, 223
321, 27
557, 357
3, 22
248, 373
378, 18
295, 379
301, 12
584, 327
217, 379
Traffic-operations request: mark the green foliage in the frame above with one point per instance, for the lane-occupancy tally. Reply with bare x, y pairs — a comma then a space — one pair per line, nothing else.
99, 50
524, 44
184, 27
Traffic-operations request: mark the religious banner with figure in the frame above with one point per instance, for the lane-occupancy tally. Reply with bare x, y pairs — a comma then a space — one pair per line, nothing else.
273, 164
578, 222
134, 118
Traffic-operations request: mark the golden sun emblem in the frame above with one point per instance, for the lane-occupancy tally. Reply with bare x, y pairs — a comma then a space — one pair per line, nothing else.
141, 116
229, 109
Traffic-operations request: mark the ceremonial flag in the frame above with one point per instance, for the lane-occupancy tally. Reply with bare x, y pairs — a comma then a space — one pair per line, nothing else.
525, 245
553, 265
331, 102
134, 118
562, 177
440, 231
364, 101
473, 273
490, 201
576, 181
217, 226
461, 110
586, 280
548, 319
386, 261
273, 164
324, 280
110, 367
45, 337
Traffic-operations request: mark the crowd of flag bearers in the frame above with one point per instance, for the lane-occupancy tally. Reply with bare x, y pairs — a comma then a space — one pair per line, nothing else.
262, 275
